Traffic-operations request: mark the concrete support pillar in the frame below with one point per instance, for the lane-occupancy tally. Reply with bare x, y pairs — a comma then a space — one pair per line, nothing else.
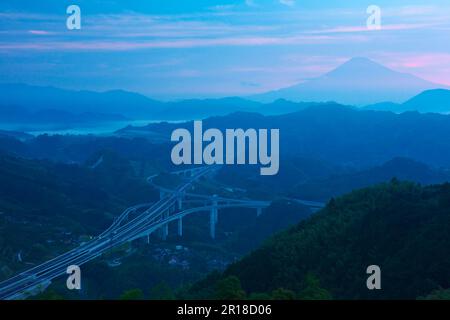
180, 227
214, 217
212, 223
148, 238
180, 202
165, 227
161, 194
258, 211
215, 204
165, 231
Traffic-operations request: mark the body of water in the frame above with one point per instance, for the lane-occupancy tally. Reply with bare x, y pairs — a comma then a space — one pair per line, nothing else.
103, 128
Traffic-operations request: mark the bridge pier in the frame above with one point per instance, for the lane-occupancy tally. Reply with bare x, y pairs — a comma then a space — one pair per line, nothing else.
165, 227
180, 202
161, 194
213, 217
212, 223
215, 204
180, 227
164, 231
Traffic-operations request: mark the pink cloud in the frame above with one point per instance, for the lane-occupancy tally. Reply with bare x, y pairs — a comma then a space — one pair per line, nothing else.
40, 32
425, 60
432, 66
351, 29
120, 45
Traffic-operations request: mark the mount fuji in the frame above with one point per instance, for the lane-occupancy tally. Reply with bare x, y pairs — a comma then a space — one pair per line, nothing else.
358, 82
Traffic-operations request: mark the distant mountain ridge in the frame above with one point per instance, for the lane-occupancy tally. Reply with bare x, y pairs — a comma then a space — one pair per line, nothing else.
34, 99
55, 117
20, 102
340, 134
400, 168
437, 101
359, 82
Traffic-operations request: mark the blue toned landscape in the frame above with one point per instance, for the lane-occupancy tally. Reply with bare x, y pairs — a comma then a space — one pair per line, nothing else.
102, 167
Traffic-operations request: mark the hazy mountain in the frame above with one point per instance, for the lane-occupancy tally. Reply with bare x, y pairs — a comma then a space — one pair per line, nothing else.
385, 106
313, 179
400, 168
341, 135
358, 81
25, 103
283, 106
35, 99
296, 170
430, 101
56, 117
20, 119
201, 108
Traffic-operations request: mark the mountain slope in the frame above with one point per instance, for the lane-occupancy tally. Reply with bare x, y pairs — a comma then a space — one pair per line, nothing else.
434, 101
45, 207
430, 101
400, 168
359, 81
341, 135
119, 102
401, 227
31, 104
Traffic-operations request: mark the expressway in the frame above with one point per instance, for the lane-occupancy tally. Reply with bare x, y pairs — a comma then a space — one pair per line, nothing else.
144, 223
135, 222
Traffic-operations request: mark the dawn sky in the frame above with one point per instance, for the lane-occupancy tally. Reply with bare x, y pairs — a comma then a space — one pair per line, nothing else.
170, 49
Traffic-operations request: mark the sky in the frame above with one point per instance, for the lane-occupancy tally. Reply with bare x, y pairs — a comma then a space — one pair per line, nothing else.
174, 49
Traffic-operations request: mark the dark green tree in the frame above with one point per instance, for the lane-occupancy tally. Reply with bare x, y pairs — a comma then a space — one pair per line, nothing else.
312, 289
230, 288
133, 294
161, 291
259, 296
283, 294
441, 294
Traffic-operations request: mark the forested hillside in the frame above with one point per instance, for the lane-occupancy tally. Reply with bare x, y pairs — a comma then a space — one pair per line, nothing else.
46, 208
400, 226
